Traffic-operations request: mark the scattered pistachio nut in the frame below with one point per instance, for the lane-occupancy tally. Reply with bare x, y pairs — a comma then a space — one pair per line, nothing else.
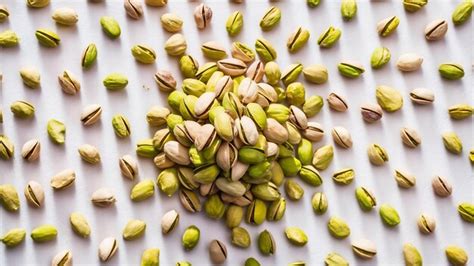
121, 126
456, 255
234, 23
348, 9
133, 8
142, 190
296, 236
107, 248
89, 56
350, 69
364, 248
319, 202
63, 179
22, 109
13, 237
377, 154
344, 176
91, 114
365, 198
452, 142
110, 26
115, 81
451, 71
297, 39
265, 50
436, 30
165, 81
466, 211
103, 197
217, 252
335, 259
316, 73
387, 26
389, 215
411, 255
380, 57
190, 237
462, 12
328, 38
169, 221
89, 153
404, 179
9, 198
143, 53
388, 98
65, 16
240, 237
44, 233
37, 3
31, 77
4, 13
213, 50
341, 137
337, 102
441, 186
171, 22
414, 5
266, 243
271, 18
409, 62
47, 38
34, 194
68, 82
338, 228
371, 112
133, 229
422, 96
79, 224
150, 257
9, 38
6, 148
460, 111
410, 137
176, 45
156, 3
63, 258
202, 16
426, 223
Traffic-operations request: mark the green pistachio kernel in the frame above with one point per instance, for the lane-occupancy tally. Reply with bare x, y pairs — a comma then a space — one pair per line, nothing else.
380, 57
234, 23
329, 37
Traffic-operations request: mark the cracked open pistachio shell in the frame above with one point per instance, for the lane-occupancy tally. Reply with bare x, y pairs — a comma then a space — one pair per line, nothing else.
350, 69
169, 221
295, 94
204, 104
65, 16
224, 85
462, 12
242, 52
133, 8
37, 3
156, 3
414, 5
404, 179
156, 116
247, 130
13, 237
456, 255
171, 22
4, 13
142, 190
165, 81
410, 137
329, 37
143, 53
9, 197
44, 233
364, 248
272, 73
451, 71
213, 50
202, 16
466, 211
371, 112
460, 111
232, 188
389, 215
266, 243
30, 77
89, 56
344, 176
411, 255
63, 179
291, 73
8, 38
380, 57
69, 83
190, 200
224, 126
133, 229
168, 181
266, 95
47, 38
34, 194
314, 132
226, 156
247, 91
409, 62
79, 224
337, 102
176, 45
265, 50
452, 142
436, 30
103, 197
377, 154
338, 228
387, 26
63, 258
276, 210
422, 96
234, 23
128, 166
426, 223
6, 148
232, 67
266, 191
441, 186
270, 19
188, 66
365, 198
319, 202
217, 252
310, 175
110, 26
297, 39
22, 109
107, 248
313, 105
257, 114
341, 137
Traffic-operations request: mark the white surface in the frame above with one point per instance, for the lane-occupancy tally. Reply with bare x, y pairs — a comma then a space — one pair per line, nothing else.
358, 40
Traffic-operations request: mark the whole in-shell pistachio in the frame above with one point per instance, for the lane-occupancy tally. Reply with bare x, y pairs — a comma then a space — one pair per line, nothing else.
389, 98
34, 194
63, 179
143, 53
297, 39
133, 8
213, 50
270, 19
6, 148
69, 83
329, 37
202, 16
296, 236
436, 30
128, 166
240, 237
377, 154
265, 50
364, 248
451, 71
156, 3
165, 81
89, 56
79, 224
13, 237
319, 202
63, 258
110, 26
410, 137
441, 186
169, 221
190, 200
341, 137
387, 26
234, 23
121, 126
47, 38
365, 198
460, 111
426, 223
371, 112
142, 190
404, 179
176, 45
337, 102
422, 96
107, 248
4, 13
217, 252
65, 16
232, 67
91, 114
350, 69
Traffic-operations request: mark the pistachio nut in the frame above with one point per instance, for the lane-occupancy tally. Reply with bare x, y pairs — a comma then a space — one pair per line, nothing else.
13, 237
47, 38
133, 229
242, 52
297, 39
3, 13
9, 38
310, 175
329, 37
224, 85
65, 16
456, 255
190, 200
462, 12
271, 18
183, 263
89, 153
89, 56
409, 62
335, 259
103, 197
257, 115
232, 188
232, 67
471, 156
156, 116
290, 165
44, 233
344, 176
128, 167
133, 8
37, 3
30, 77
350, 69
338, 228
115, 81
247, 91
380, 57
110, 26
266, 243
255, 71
79, 224
337, 102
272, 73
422, 96
251, 262
9, 198
34, 194
452, 142
371, 112
365, 198
441, 186
169, 221
156, 3
404, 179
317, 74
176, 45
107, 248
293, 190
171, 22
217, 252
348, 9
143, 53
186, 178
411, 255
466, 211
313, 132
214, 207
6, 148
69, 83
276, 210
460, 111
387, 26
295, 94
426, 223
323, 156
168, 181
291, 74
234, 215
319, 202
410, 137
364, 248
202, 16
313, 105
436, 30
188, 66
150, 257
142, 190
265, 50
224, 126
377, 154
240, 237
296, 236
22, 109
165, 81
256, 212
341, 137
389, 98
213, 50
190, 237
63, 179
305, 151
205, 71
266, 94
234, 23
414, 5
389, 215
121, 126
451, 71
226, 156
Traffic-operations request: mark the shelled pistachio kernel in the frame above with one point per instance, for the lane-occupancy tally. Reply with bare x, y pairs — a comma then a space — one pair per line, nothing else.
452, 142
270, 19
121, 126
451, 71
348, 9
30, 77
414, 5
37, 3
388, 98
234, 23
133, 229
389, 215
143, 53
460, 111
9, 197
380, 57
338, 228
150, 257
190, 237
456, 255
156, 3
9, 38
462, 12
115, 81
22, 109
56, 131
89, 153
13, 237
411, 255
44, 233
266, 243
89, 56
409, 62
296, 236
335, 259
79, 224
466, 211
350, 69
110, 26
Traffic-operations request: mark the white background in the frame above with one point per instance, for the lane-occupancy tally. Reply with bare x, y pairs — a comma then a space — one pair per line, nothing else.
358, 40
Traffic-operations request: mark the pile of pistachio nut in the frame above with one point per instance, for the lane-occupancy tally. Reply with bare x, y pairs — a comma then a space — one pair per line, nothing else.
233, 135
